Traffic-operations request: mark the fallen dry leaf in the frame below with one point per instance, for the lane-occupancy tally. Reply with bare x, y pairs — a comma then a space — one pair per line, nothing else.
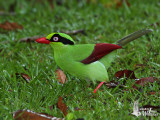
10, 26
25, 77
144, 81
30, 115
62, 106
125, 73
61, 77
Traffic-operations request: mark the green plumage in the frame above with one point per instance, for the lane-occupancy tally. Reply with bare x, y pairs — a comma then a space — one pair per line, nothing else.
68, 58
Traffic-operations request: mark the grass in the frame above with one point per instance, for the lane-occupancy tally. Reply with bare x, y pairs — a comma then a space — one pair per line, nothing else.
36, 60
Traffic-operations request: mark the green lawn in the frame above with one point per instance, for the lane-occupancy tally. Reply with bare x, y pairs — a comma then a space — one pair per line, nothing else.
101, 24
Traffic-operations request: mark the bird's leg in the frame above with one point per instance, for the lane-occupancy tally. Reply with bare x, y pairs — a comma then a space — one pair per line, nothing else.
61, 77
95, 90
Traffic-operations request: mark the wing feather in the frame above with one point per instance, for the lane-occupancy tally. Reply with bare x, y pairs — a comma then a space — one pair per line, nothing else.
100, 50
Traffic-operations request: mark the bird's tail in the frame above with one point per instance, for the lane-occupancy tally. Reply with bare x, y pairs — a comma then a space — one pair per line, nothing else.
133, 36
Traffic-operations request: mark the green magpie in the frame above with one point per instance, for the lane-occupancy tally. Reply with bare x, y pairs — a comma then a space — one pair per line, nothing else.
87, 61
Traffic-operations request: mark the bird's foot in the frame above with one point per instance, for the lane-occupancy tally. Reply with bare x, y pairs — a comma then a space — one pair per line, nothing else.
95, 90
61, 77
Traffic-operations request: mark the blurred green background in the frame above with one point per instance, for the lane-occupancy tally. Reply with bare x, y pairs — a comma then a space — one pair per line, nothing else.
101, 21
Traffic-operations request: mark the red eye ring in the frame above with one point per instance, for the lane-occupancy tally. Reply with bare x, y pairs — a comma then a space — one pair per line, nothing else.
55, 39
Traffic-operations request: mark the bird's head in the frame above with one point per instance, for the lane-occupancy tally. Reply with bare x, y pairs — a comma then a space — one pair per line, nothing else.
57, 39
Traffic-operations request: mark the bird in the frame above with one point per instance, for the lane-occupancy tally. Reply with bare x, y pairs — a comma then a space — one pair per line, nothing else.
87, 61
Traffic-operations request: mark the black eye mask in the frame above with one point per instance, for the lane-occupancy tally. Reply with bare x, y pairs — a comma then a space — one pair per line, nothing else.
61, 39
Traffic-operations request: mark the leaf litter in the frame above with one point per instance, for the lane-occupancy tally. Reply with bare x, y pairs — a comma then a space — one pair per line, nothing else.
62, 106
26, 77
129, 74
10, 26
31, 115
61, 77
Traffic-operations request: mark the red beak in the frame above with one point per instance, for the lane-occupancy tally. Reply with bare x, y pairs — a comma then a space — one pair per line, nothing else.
43, 40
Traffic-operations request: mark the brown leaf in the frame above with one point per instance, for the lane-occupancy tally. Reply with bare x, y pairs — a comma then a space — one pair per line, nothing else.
10, 26
62, 106
30, 115
61, 77
25, 77
127, 73
144, 81
120, 3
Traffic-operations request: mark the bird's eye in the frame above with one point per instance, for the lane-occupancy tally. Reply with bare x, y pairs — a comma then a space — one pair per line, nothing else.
55, 39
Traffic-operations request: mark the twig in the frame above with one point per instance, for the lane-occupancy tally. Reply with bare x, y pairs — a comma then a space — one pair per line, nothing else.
30, 39
74, 32
7, 13
33, 38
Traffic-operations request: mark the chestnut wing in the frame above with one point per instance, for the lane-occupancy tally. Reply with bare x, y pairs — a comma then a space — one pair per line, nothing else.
100, 50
